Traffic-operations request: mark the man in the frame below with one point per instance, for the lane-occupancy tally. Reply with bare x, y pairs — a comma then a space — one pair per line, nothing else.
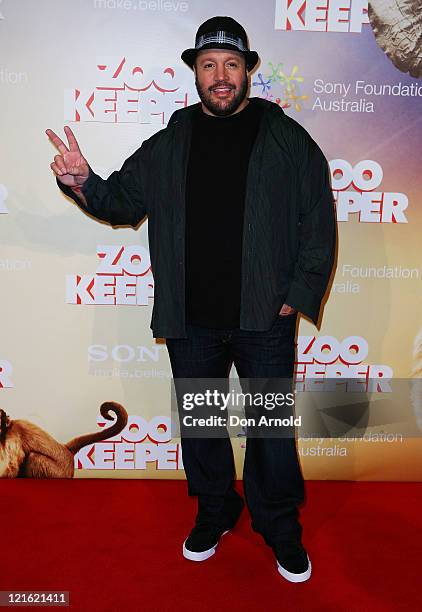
242, 238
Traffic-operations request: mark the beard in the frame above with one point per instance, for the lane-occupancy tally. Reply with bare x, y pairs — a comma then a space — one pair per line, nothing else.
222, 108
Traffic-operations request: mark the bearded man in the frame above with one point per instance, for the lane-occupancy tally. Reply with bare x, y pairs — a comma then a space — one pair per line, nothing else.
242, 239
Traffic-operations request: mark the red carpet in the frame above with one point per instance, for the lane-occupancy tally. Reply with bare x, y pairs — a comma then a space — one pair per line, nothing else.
116, 545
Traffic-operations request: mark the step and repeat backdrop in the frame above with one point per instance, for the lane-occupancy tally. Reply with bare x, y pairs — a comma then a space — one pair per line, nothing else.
77, 294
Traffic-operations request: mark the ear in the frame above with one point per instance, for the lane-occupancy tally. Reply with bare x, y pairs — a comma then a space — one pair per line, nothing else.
3, 422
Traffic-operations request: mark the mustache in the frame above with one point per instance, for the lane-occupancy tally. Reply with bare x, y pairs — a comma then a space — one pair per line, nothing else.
221, 84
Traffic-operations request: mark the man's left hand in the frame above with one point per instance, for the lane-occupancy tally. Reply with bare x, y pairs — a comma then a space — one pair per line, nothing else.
286, 310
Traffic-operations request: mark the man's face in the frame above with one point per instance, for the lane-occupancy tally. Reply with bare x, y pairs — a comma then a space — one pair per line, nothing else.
221, 81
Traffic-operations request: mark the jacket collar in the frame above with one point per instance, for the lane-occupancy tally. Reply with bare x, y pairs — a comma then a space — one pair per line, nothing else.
185, 114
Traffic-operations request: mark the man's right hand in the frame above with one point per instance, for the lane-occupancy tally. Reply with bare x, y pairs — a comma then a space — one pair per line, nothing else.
70, 167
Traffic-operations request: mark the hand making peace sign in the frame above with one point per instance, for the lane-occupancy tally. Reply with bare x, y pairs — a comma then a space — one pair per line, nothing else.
70, 167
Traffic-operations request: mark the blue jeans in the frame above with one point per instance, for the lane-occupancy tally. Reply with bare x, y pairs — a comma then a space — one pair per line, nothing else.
272, 478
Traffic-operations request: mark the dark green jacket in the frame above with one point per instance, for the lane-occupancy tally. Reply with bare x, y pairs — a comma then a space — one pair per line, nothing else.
289, 230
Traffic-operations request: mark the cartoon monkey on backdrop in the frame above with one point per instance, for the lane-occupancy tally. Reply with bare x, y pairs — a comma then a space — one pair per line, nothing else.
27, 451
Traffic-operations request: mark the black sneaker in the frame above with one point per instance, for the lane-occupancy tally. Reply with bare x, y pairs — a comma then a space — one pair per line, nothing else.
202, 541
293, 562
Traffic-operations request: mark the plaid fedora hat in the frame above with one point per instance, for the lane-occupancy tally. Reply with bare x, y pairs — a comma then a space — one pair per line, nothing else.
221, 33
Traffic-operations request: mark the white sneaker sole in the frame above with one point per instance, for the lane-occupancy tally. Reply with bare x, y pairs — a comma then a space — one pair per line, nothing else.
200, 556
295, 577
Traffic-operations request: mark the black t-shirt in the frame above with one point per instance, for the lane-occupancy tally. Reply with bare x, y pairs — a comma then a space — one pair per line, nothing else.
215, 199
